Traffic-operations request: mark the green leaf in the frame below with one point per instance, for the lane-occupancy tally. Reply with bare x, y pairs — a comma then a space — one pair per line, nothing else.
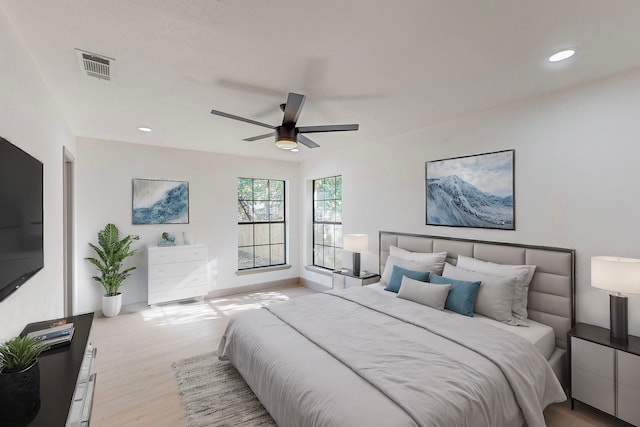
19, 353
112, 251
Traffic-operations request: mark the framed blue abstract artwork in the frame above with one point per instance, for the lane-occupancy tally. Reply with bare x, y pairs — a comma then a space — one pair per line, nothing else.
160, 202
472, 191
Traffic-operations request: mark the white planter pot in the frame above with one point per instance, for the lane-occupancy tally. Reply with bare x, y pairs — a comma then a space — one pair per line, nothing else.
111, 305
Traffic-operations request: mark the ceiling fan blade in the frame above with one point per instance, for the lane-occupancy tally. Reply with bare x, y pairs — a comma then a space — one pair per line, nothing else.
249, 88
292, 108
306, 141
242, 119
255, 138
327, 128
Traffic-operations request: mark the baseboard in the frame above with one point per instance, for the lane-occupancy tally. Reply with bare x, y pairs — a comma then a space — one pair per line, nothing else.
267, 285
318, 287
252, 288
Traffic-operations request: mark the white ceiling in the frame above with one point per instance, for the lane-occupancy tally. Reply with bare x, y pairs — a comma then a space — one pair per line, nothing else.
392, 66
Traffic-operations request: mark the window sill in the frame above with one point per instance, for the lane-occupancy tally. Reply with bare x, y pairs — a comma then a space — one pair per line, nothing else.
262, 269
318, 270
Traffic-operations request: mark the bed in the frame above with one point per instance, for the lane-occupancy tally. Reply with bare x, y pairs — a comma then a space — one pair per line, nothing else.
364, 357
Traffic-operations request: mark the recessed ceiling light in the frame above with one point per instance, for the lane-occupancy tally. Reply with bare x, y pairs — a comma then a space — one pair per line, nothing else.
562, 55
144, 129
294, 150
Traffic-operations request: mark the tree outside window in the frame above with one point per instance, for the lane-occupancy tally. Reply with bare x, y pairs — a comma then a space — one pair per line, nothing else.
327, 222
261, 223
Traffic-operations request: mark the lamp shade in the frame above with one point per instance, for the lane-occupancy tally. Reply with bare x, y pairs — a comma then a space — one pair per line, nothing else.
356, 242
616, 274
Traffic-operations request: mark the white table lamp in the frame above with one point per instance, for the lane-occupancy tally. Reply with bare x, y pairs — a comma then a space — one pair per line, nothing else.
622, 276
356, 243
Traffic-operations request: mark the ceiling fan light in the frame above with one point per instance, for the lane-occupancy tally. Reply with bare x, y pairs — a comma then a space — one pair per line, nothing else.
286, 143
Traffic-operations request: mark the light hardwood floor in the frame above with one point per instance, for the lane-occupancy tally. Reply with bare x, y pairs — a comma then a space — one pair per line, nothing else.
136, 384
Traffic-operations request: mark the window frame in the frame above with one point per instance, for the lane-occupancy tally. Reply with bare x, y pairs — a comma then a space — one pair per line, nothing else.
337, 260
253, 222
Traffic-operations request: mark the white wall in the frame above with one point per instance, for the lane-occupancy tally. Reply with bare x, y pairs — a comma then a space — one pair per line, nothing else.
576, 174
577, 157
30, 119
104, 174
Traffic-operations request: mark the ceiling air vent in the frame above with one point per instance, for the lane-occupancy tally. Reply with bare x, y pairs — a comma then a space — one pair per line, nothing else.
94, 65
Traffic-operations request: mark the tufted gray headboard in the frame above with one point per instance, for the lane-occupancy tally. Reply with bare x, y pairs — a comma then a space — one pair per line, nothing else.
551, 292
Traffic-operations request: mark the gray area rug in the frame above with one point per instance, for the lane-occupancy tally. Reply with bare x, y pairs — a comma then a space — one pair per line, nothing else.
214, 394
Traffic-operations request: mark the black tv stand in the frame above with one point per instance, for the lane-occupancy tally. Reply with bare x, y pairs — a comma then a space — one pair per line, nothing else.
66, 393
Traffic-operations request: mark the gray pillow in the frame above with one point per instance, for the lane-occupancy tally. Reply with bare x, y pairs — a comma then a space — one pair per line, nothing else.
436, 258
422, 266
495, 296
424, 293
522, 273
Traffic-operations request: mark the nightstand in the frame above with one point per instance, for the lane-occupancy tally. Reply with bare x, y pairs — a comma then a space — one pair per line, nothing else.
604, 374
345, 278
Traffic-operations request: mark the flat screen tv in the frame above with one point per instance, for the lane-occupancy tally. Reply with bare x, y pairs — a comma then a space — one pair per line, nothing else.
21, 217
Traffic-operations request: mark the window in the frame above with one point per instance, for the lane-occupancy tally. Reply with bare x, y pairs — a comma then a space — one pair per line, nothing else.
261, 223
327, 222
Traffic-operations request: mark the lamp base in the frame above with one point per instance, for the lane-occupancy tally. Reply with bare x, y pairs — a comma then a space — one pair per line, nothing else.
619, 319
356, 263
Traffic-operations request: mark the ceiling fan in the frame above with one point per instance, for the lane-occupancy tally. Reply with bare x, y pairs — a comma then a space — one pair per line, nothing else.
288, 135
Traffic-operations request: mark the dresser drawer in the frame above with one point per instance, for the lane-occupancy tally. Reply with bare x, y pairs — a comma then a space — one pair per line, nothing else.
177, 294
629, 404
176, 269
177, 254
82, 402
593, 375
629, 370
593, 390
591, 357
629, 387
88, 366
177, 282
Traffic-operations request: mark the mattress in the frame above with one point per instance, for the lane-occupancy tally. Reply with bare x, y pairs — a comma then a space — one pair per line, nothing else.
541, 336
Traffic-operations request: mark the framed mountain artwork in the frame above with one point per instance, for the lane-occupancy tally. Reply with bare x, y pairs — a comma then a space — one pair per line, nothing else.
158, 201
472, 191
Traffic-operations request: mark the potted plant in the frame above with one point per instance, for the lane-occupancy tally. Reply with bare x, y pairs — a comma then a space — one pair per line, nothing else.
112, 252
19, 377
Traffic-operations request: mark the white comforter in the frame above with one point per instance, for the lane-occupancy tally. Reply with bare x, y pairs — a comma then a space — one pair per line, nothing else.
356, 357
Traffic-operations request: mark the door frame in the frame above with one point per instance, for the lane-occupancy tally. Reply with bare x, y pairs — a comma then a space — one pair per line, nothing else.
68, 185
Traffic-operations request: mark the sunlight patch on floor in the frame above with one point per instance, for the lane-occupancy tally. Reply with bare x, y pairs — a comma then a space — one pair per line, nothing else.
195, 311
256, 300
179, 314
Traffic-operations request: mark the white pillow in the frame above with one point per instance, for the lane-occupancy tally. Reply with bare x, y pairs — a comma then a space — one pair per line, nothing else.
438, 258
495, 295
522, 273
403, 263
424, 293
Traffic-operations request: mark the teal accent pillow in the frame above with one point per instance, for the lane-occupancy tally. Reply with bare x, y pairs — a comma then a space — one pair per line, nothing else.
399, 272
462, 295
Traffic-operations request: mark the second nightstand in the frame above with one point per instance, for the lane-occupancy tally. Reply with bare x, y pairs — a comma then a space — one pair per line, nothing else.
345, 278
604, 374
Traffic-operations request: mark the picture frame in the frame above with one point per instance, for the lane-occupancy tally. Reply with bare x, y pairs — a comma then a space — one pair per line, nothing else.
157, 201
476, 191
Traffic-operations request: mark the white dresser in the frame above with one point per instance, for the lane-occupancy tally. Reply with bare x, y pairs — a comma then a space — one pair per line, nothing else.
177, 272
